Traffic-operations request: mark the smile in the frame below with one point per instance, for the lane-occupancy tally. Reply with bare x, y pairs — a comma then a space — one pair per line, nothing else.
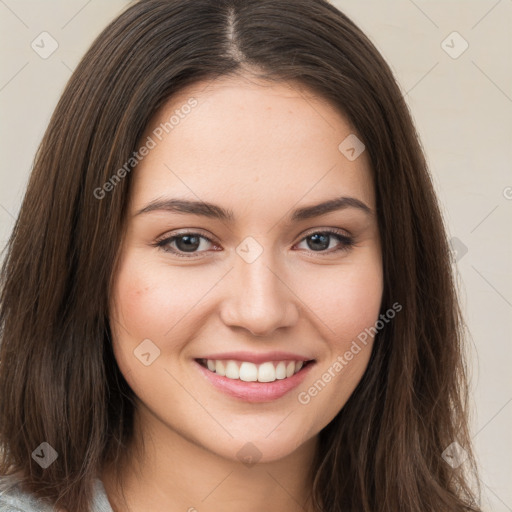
246, 371
258, 381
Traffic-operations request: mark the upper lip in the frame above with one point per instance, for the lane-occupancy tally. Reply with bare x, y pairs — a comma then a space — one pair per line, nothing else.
257, 358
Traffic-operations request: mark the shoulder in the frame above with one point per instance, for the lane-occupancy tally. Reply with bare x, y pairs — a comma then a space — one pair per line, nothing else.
14, 499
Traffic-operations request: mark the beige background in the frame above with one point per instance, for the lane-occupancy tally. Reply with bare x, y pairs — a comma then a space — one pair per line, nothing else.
463, 110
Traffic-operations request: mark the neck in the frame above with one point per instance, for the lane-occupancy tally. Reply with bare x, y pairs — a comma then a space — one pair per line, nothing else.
173, 473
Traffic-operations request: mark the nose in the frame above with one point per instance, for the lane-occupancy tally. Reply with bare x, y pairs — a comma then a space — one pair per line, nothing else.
259, 298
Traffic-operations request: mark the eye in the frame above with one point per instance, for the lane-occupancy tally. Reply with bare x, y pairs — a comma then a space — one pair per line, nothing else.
319, 241
187, 244
184, 243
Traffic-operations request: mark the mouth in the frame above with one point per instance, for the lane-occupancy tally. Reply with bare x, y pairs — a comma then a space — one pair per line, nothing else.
252, 382
246, 371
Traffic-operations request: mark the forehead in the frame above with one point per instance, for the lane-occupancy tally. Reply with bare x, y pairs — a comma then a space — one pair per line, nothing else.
248, 139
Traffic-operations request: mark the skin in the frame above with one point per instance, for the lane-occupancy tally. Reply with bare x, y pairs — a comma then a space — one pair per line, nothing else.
260, 149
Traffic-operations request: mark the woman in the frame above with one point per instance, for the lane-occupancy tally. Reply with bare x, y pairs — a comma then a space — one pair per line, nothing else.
229, 284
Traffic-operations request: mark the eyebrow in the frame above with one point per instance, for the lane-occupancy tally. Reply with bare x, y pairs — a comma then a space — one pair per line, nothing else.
210, 210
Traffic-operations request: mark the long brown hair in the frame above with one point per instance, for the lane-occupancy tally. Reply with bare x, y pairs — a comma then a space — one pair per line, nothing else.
59, 380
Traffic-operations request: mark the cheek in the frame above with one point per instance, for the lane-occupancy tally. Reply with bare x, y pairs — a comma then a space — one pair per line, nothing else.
360, 299
150, 301
346, 299
348, 310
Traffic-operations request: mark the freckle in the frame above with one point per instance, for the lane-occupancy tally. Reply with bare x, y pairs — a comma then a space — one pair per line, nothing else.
141, 291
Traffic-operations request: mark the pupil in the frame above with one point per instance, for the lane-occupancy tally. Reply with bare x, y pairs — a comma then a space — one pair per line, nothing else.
324, 241
188, 245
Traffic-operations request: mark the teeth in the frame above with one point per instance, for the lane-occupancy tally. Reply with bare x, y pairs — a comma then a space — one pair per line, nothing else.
266, 373
232, 371
281, 371
219, 368
250, 372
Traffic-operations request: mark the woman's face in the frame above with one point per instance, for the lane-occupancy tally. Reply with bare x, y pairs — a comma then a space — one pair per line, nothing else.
256, 285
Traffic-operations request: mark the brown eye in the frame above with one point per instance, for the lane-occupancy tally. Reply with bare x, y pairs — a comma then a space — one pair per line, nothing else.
183, 243
320, 241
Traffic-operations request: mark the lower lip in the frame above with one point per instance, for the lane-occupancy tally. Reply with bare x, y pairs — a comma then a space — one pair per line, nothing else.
255, 391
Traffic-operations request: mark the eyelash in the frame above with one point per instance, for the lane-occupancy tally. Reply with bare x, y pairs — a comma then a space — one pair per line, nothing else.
346, 242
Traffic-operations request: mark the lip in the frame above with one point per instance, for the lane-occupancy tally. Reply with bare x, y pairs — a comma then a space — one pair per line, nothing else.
256, 391
251, 357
